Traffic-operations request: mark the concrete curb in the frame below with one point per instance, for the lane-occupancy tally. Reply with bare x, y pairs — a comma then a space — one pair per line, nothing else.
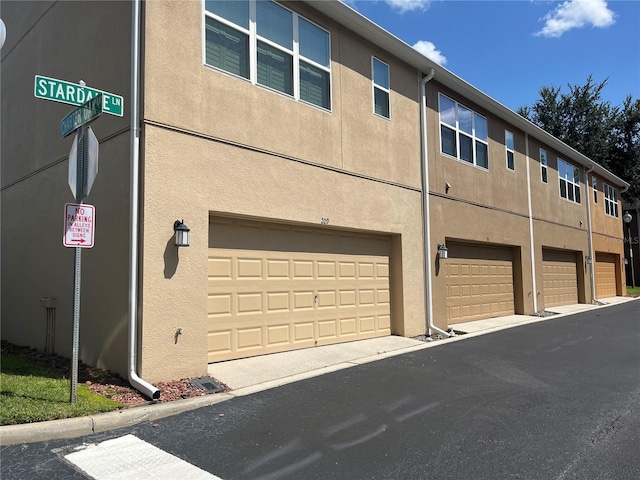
81, 426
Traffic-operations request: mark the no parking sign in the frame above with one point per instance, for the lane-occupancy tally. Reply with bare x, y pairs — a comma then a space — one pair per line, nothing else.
79, 225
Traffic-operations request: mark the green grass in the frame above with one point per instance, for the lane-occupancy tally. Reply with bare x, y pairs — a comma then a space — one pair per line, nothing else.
31, 393
633, 291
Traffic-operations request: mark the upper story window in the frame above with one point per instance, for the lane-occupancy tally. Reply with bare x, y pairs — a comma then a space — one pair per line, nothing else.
463, 133
610, 200
569, 176
380, 78
269, 45
544, 174
594, 185
509, 145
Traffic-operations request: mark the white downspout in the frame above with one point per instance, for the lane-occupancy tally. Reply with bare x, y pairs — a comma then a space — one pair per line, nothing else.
590, 235
426, 225
144, 387
531, 244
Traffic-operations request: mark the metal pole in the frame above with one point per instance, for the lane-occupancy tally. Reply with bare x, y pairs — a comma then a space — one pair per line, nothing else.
81, 174
633, 273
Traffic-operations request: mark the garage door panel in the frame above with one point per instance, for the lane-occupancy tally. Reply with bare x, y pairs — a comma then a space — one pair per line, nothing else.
560, 278
303, 292
302, 270
479, 283
249, 303
326, 299
366, 270
382, 270
605, 273
249, 338
327, 329
278, 302
278, 334
326, 269
347, 298
348, 327
303, 333
220, 343
384, 296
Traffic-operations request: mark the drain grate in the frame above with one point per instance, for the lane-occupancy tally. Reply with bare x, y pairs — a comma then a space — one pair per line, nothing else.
208, 384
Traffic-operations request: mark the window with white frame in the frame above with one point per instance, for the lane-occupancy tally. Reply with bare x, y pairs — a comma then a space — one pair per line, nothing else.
610, 200
569, 177
509, 145
594, 186
271, 46
544, 173
380, 79
463, 133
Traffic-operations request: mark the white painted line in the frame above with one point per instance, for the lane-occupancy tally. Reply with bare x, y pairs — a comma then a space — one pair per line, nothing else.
128, 457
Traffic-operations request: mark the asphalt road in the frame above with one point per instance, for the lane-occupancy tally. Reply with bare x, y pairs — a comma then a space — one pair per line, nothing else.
558, 399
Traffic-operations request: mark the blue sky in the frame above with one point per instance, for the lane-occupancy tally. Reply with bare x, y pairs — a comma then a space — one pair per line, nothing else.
511, 48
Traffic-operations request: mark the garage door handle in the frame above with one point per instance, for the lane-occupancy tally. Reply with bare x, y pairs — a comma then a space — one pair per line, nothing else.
315, 298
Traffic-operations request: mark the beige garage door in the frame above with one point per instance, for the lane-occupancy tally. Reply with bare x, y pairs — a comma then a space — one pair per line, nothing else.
559, 278
275, 287
605, 275
479, 282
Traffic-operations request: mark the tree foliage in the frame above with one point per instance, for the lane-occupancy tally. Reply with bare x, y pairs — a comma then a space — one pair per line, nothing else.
608, 135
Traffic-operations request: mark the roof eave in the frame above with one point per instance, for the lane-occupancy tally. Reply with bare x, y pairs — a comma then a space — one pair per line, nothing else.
358, 23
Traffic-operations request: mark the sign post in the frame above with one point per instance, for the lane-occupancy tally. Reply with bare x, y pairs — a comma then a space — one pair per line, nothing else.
80, 183
75, 235
79, 218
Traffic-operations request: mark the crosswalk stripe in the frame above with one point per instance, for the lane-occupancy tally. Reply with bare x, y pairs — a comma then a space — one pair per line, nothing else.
130, 458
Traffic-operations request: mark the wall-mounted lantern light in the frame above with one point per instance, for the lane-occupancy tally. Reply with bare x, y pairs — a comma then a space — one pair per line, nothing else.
443, 252
626, 261
589, 260
182, 233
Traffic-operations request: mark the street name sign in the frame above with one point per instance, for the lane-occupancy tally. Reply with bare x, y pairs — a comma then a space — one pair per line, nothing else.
82, 115
75, 94
79, 225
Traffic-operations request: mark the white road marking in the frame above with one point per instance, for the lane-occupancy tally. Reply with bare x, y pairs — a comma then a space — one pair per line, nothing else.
128, 458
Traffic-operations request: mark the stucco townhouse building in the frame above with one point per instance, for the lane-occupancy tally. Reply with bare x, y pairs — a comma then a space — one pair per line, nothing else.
337, 184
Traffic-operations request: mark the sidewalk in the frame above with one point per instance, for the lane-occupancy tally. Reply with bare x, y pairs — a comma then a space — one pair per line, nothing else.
498, 323
250, 375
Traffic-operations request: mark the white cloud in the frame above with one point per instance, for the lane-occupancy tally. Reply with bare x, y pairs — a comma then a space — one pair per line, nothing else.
429, 50
408, 5
576, 14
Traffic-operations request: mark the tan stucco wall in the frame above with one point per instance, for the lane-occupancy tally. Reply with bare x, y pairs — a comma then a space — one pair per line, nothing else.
547, 205
496, 187
58, 40
180, 91
188, 177
601, 222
